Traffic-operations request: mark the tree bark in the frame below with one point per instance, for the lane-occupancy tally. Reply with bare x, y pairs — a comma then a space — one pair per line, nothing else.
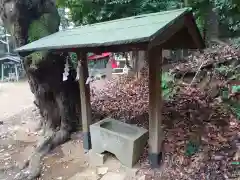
211, 29
58, 101
127, 60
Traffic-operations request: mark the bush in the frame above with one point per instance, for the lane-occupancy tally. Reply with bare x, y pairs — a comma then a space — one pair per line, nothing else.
168, 85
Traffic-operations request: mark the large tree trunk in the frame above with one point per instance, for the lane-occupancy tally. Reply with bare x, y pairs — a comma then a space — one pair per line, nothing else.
211, 29
58, 101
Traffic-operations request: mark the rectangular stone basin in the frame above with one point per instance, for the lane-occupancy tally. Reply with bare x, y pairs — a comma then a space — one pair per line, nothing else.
125, 141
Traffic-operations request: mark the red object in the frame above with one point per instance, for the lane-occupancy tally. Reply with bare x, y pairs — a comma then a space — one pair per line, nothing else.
114, 63
103, 55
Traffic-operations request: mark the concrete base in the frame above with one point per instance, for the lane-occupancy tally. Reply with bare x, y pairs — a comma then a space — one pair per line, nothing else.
155, 160
87, 141
113, 176
96, 159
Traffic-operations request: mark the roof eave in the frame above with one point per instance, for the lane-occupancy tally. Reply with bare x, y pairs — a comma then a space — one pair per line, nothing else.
87, 46
166, 32
186, 19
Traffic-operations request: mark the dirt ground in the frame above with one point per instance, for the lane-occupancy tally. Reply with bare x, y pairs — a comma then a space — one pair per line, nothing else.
14, 97
19, 134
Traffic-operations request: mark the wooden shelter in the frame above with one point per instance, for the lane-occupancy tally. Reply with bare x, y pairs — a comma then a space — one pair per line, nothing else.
149, 32
10, 66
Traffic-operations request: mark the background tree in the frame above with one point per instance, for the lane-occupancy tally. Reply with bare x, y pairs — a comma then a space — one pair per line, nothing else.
64, 21
87, 12
215, 18
58, 101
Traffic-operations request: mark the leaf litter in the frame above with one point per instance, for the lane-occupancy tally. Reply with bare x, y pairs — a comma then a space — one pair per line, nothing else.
190, 117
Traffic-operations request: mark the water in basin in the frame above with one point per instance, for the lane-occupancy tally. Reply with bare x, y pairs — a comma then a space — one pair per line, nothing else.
119, 128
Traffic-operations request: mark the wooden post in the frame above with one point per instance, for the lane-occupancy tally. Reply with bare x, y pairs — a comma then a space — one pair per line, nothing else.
16, 72
2, 71
85, 99
155, 106
136, 63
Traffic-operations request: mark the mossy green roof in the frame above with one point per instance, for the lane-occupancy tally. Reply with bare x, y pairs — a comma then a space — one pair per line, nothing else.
135, 29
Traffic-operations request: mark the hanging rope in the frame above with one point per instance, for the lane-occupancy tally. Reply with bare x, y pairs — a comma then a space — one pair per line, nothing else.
66, 69
78, 69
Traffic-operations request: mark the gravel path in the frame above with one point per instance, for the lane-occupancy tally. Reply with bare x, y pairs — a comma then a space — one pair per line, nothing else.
14, 97
18, 138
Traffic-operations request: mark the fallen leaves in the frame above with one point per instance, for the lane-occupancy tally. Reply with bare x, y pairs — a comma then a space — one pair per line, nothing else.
190, 115
217, 54
191, 111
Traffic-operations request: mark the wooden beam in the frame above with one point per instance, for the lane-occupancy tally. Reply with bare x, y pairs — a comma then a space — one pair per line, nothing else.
2, 66
155, 106
85, 99
112, 48
16, 72
162, 37
194, 31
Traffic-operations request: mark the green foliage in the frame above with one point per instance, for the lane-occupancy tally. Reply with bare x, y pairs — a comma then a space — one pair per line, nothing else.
236, 89
73, 59
168, 86
235, 107
231, 72
200, 23
225, 93
36, 58
228, 14
87, 12
235, 42
37, 30
92, 11
191, 149
232, 105
42, 27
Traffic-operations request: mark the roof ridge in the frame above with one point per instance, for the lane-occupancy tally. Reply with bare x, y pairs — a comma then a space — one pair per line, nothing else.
117, 28
133, 17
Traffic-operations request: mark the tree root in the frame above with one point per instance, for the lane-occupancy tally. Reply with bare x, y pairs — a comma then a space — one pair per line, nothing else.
33, 166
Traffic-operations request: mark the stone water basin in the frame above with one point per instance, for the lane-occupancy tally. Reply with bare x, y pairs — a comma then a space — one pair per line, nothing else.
125, 141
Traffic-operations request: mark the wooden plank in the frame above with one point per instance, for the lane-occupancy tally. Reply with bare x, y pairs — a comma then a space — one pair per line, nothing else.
2, 72
97, 50
155, 106
16, 72
162, 37
115, 48
85, 99
194, 31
